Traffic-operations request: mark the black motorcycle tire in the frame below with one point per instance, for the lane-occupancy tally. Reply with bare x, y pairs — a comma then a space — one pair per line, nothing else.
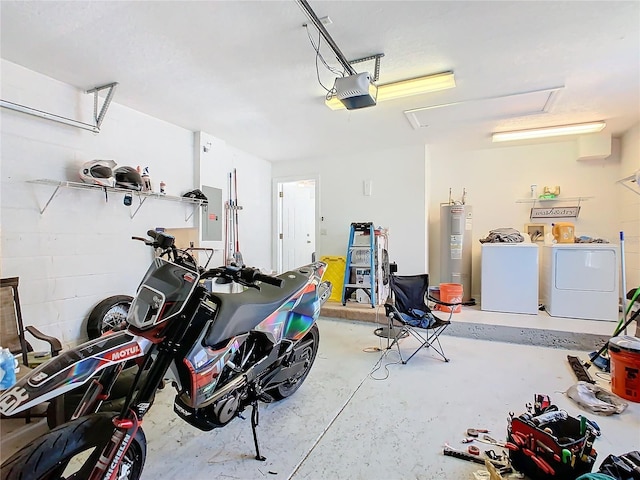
288, 388
47, 456
109, 314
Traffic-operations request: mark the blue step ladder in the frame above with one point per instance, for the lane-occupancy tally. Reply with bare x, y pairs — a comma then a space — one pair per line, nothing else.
360, 262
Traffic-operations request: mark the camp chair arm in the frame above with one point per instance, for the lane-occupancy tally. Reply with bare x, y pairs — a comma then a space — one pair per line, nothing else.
55, 344
440, 302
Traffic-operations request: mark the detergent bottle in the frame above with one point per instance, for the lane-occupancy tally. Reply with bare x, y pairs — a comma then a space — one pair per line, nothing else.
564, 232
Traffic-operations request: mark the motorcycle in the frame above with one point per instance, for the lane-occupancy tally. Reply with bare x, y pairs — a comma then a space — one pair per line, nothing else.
222, 352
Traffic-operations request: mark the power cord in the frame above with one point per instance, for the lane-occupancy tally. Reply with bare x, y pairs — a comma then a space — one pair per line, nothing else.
316, 48
379, 365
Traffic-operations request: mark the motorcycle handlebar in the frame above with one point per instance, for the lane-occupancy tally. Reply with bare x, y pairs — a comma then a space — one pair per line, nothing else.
275, 281
243, 275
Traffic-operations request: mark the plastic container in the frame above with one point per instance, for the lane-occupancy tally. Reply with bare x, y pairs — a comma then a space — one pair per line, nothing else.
624, 352
564, 232
335, 274
450, 293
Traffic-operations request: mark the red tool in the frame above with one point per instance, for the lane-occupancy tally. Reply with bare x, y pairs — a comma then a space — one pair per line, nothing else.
519, 439
511, 446
473, 450
542, 465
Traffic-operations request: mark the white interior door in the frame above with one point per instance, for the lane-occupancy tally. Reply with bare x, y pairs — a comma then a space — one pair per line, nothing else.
297, 205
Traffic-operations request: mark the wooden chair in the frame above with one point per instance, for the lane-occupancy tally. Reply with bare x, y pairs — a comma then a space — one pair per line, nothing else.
12, 331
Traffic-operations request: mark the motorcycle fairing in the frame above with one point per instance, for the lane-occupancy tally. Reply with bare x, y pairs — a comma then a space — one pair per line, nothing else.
205, 365
71, 369
162, 294
295, 318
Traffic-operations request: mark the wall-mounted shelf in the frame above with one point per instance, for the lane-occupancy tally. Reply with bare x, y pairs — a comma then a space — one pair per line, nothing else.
630, 183
557, 199
546, 208
142, 196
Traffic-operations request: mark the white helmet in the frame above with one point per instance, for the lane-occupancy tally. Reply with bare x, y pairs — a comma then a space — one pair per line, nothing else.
98, 172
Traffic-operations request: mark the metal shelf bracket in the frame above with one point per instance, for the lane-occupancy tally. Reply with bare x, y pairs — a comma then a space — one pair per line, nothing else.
98, 117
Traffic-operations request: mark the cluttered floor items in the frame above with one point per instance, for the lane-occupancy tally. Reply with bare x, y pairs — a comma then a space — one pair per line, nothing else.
544, 443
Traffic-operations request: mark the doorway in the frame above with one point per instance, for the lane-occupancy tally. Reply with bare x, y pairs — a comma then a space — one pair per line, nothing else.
295, 223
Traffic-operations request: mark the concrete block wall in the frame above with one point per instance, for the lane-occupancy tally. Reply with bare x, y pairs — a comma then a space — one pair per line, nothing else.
79, 251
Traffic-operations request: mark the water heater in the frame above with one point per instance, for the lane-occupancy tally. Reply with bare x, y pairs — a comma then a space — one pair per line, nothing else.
456, 222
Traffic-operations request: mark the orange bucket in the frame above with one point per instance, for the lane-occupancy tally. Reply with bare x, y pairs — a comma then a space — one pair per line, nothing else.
624, 352
450, 293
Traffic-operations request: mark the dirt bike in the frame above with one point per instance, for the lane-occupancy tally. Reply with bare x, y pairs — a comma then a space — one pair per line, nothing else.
223, 352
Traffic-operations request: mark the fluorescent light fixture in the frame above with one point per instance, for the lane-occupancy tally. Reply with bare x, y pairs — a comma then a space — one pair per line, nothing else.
406, 88
576, 129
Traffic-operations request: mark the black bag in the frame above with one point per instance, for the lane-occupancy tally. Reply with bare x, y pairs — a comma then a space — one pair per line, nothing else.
560, 449
623, 467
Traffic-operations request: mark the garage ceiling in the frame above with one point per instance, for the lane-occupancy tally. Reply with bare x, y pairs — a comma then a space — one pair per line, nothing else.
245, 71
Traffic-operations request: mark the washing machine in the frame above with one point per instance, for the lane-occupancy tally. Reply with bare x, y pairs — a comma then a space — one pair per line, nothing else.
580, 280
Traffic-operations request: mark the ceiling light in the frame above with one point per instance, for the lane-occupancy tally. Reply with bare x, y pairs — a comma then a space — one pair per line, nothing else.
549, 131
406, 88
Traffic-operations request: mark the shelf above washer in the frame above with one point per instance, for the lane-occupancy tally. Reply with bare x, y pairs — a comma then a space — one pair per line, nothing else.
557, 199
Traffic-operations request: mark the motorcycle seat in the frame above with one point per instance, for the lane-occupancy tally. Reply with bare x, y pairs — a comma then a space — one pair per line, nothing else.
240, 312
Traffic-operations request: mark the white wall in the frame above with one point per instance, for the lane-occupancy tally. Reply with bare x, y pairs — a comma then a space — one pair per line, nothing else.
495, 178
254, 196
79, 250
397, 200
629, 206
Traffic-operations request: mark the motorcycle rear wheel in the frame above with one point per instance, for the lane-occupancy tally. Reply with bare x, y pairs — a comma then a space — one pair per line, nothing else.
288, 388
73, 446
109, 314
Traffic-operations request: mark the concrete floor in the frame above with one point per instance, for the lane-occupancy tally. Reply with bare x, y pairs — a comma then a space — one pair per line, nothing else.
361, 415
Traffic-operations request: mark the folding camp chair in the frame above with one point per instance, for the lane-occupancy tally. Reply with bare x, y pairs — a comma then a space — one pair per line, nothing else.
408, 308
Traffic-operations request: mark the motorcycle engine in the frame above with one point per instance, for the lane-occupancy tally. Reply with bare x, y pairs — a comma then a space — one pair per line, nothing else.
216, 415
224, 410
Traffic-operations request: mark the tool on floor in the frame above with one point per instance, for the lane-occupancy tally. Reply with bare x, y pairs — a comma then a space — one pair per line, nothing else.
452, 452
473, 450
581, 369
474, 432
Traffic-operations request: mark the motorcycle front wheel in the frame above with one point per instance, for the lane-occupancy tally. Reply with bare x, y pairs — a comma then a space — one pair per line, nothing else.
70, 451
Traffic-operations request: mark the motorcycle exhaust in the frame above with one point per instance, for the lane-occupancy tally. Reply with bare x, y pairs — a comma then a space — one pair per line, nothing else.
324, 291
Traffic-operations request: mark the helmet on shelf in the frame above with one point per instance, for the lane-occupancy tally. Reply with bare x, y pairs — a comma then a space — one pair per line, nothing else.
128, 177
98, 172
196, 194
